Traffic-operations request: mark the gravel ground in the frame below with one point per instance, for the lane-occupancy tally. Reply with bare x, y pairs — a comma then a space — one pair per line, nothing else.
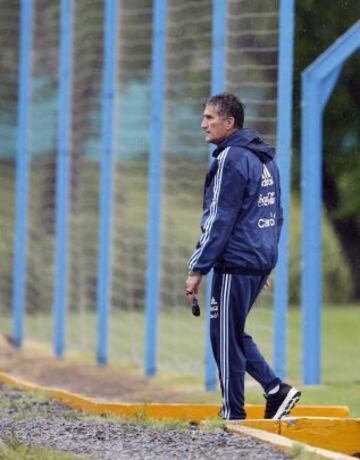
39, 422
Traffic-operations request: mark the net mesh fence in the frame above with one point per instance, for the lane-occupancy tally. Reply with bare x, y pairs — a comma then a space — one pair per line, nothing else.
9, 67
131, 183
87, 58
42, 169
251, 73
251, 64
188, 64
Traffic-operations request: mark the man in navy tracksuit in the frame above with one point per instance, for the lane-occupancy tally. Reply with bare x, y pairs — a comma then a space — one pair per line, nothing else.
240, 227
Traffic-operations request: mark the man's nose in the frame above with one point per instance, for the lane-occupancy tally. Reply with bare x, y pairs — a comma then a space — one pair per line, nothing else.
203, 124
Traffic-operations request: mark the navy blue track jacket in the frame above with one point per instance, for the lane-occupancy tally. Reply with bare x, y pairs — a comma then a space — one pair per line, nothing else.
242, 216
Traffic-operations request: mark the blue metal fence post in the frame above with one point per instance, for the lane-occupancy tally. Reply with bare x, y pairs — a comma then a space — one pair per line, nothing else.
318, 81
284, 151
22, 172
63, 176
155, 184
311, 231
106, 183
218, 72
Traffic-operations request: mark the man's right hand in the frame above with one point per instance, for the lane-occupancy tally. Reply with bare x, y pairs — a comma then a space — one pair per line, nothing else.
192, 286
266, 285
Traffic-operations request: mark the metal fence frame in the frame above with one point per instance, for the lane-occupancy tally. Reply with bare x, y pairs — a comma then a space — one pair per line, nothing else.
112, 10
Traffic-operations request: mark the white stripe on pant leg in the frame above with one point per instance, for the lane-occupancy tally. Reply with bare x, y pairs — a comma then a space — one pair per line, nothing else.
228, 285
222, 362
224, 357
224, 341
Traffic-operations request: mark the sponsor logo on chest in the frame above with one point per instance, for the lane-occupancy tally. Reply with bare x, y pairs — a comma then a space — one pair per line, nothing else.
266, 200
266, 222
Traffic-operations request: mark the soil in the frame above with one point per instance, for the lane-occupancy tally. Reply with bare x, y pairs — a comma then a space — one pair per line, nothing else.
36, 364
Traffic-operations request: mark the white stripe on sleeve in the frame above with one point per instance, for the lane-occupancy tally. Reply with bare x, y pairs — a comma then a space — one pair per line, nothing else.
213, 210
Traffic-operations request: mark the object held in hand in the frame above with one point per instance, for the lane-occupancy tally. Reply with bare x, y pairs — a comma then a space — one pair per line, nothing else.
195, 307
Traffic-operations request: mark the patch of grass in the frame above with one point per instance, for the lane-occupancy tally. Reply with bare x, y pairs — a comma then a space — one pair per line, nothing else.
27, 402
13, 449
142, 420
24, 405
299, 452
33, 397
72, 415
213, 424
340, 353
161, 425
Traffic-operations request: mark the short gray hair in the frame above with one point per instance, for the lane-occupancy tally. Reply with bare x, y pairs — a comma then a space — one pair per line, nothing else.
228, 105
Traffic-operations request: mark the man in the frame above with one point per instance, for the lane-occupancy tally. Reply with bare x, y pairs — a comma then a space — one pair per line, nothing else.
240, 226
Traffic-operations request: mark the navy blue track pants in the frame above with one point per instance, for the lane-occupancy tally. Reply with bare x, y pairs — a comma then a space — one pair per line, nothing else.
235, 351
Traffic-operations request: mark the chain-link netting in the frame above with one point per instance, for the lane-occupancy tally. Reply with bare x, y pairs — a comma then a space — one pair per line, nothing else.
251, 73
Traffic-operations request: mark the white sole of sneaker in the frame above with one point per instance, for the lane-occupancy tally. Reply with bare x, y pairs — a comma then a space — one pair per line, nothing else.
289, 402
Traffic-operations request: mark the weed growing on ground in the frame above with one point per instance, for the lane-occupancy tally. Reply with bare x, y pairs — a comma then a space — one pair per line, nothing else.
13, 449
139, 419
144, 422
213, 424
163, 425
299, 452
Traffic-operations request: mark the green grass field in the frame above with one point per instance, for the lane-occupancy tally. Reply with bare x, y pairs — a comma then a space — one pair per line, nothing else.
340, 360
181, 340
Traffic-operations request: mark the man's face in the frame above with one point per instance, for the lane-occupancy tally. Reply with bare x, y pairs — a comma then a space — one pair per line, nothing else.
215, 126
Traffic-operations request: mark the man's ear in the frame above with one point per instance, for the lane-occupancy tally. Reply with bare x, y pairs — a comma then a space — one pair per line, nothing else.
230, 123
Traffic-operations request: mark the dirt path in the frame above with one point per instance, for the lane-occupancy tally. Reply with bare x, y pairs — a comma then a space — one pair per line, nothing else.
36, 365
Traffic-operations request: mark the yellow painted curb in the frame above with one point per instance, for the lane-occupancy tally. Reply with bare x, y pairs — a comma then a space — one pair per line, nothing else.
191, 412
282, 443
335, 434
339, 435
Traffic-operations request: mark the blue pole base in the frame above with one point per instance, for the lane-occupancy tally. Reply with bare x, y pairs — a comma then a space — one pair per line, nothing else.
15, 343
150, 372
59, 355
211, 385
101, 361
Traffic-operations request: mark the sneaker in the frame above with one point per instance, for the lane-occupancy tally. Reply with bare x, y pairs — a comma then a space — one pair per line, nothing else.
279, 404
